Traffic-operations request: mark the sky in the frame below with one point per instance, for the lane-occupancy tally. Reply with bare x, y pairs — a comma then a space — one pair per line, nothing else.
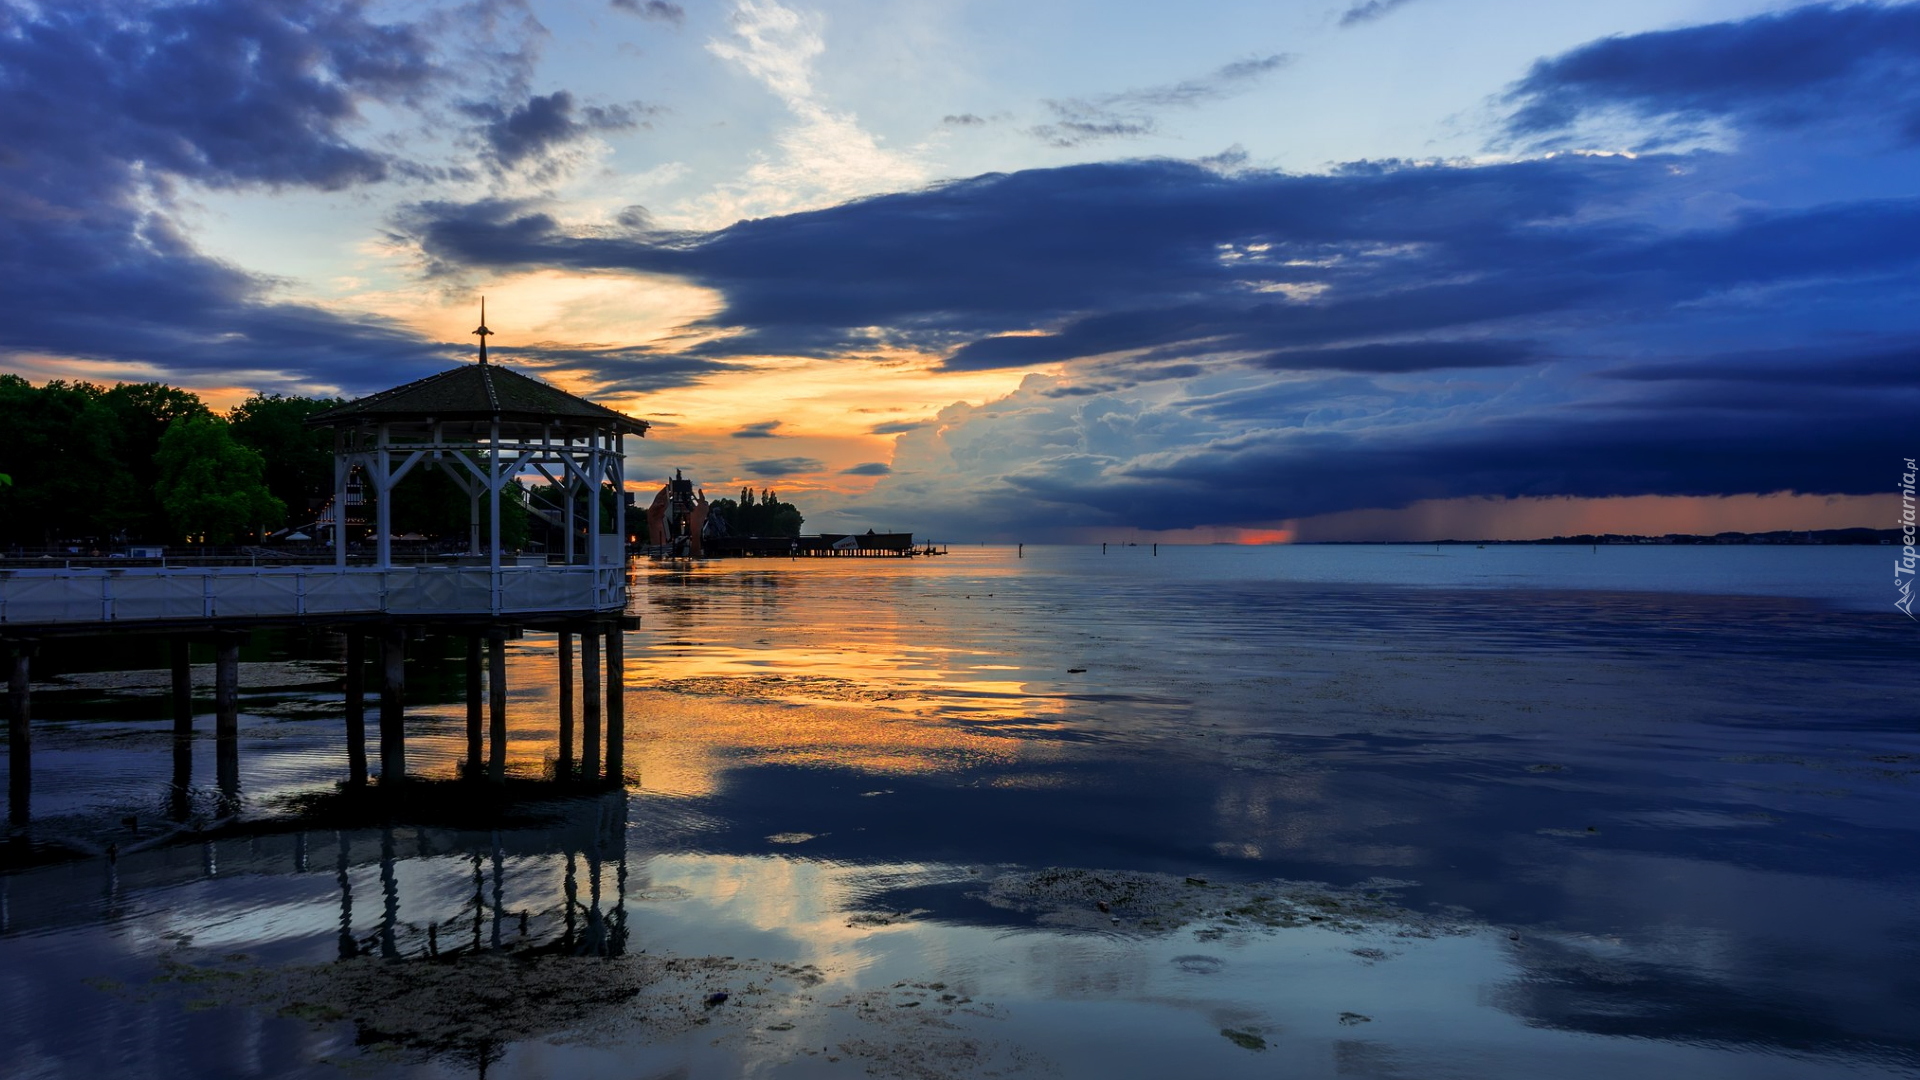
1055, 270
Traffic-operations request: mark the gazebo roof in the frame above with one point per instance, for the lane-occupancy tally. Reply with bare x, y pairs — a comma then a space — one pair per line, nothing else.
480, 391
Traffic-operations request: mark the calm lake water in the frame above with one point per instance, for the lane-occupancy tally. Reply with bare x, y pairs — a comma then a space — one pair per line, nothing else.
1313, 811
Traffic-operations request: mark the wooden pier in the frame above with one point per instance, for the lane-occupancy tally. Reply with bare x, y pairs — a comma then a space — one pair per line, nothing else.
483, 424
868, 545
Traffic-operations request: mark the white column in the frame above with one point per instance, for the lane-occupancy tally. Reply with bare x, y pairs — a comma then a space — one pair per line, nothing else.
618, 468
494, 482
571, 487
596, 472
342, 470
384, 494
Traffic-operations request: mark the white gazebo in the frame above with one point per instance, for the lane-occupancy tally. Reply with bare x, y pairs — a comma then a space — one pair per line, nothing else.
484, 424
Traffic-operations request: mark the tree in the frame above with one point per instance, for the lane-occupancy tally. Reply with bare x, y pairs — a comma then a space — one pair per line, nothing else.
209, 485
762, 516
299, 458
59, 447
142, 413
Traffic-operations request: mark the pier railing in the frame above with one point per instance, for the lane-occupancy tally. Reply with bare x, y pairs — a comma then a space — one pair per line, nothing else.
67, 597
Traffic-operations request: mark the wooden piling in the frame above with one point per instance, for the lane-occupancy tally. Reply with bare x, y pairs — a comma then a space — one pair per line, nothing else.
182, 687
564, 769
19, 743
180, 797
180, 794
393, 693
356, 709
616, 706
473, 706
226, 713
590, 706
497, 706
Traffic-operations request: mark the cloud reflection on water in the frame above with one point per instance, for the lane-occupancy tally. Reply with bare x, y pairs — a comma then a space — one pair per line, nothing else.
1685, 810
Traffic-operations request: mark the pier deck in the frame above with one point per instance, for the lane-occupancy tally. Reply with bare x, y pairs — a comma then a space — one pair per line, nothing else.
155, 597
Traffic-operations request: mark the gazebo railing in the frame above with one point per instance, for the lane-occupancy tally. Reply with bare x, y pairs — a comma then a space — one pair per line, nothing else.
147, 594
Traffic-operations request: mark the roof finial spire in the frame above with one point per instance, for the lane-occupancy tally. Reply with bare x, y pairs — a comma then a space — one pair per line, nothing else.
483, 331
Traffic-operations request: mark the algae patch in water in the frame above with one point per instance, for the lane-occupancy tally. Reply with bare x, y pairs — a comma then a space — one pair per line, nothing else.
473, 1007
1152, 904
1246, 1040
814, 687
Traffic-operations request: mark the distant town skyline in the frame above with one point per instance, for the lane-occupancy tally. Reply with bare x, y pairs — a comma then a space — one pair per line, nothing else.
1347, 269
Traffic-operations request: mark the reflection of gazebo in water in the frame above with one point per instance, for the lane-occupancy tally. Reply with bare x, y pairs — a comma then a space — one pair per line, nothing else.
484, 425
474, 882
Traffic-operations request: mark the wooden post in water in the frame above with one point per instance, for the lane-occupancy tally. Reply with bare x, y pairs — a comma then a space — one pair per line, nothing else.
180, 802
473, 706
497, 706
616, 706
356, 708
393, 709
182, 688
226, 713
19, 744
564, 769
180, 794
590, 707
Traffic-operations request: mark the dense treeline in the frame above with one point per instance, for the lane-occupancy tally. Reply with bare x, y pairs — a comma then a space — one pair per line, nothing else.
765, 516
99, 467
137, 462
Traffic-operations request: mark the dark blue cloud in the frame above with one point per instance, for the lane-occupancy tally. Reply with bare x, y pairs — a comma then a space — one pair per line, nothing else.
107, 108
1264, 478
610, 369
1366, 11
786, 466
542, 124
1130, 113
1820, 64
765, 429
867, 468
660, 10
223, 93
1403, 356
1179, 248
1494, 294
104, 107
1826, 368
1064, 264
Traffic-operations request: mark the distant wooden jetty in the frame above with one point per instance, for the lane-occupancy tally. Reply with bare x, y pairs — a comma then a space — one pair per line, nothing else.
867, 545
484, 425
